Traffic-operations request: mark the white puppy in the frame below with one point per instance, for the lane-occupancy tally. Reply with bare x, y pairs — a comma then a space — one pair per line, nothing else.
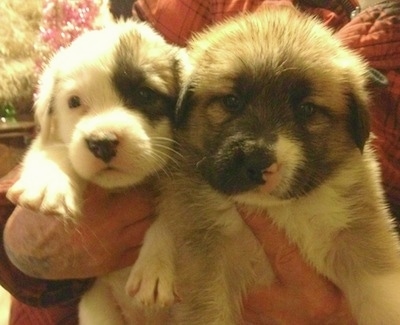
273, 116
104, 108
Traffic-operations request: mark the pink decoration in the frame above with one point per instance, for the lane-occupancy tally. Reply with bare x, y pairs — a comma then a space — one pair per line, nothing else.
62, 22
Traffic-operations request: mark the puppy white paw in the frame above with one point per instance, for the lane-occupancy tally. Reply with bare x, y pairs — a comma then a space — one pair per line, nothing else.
152, 284
47, 193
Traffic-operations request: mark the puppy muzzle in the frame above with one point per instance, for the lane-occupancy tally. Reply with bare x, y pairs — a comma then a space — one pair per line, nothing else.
238, 171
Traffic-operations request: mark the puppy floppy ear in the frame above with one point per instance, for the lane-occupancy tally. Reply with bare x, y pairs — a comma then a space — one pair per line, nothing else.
359, 119
43, 104
185, 101
186, 92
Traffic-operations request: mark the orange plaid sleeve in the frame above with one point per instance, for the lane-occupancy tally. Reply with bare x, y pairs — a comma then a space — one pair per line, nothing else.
375, 34
178, 20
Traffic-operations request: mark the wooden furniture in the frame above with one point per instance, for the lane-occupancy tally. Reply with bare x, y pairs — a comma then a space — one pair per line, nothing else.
15, 137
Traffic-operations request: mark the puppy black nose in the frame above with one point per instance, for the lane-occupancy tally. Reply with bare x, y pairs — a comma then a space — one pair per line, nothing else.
253, 167
104, 148
238, 169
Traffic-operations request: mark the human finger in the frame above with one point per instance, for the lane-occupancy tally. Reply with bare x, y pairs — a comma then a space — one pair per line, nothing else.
128, 206
48, 247
273, 240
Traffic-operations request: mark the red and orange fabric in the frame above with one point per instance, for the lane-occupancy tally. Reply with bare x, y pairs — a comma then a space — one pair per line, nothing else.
375, 34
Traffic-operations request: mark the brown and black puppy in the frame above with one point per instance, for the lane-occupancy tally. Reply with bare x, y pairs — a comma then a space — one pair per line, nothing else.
273, 115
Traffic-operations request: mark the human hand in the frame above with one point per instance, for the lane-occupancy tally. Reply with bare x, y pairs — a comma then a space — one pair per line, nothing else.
107, 237
298, 295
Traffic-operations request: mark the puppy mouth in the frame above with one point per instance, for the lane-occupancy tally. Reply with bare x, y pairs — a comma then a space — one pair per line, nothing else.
107, 169
271, 177
112, 177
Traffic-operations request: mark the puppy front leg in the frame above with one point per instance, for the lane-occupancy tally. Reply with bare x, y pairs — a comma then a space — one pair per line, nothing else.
48, 183
209, 294
367, 270
375, 299
152, 279
215, 270
98, 306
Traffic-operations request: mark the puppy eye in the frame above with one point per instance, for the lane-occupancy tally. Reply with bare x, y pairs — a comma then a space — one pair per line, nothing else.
232, 103
307, 109
146, 95
74, 102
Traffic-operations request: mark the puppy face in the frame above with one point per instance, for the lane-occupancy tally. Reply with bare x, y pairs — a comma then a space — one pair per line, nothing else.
274, 105
110, 97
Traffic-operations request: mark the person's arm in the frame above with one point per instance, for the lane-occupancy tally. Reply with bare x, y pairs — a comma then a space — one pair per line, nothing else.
26, 289
107, 237
298, 296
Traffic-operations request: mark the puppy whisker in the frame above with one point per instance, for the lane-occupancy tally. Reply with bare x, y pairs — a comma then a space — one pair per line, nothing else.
170, 152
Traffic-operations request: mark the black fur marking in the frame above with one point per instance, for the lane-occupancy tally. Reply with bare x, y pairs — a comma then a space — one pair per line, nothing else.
359, 123
184, 106
133, 87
